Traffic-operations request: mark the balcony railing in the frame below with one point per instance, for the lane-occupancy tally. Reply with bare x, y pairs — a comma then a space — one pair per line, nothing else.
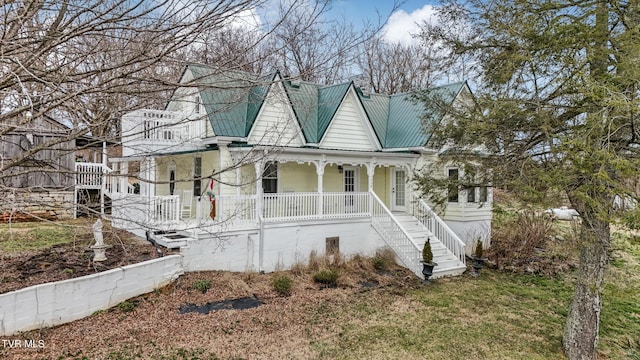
146, 131
90, 175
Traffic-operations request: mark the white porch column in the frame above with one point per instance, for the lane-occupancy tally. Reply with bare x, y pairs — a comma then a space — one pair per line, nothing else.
371, 170
152, 177
227, 176
104, 177
147, 188
238, 180
259, 198
320, 165
123, 180
147, 176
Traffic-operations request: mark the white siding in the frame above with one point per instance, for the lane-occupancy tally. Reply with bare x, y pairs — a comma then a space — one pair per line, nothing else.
348, 129
183, 100
276, 123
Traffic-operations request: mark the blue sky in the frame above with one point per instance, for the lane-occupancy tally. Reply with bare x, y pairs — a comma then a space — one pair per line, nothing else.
401, 23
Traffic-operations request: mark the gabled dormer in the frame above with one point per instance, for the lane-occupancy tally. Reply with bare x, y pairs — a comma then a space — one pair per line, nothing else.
276, 123
350, 127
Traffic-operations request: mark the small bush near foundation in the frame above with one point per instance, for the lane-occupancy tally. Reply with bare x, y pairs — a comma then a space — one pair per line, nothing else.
283, 284
326, 276
127, 306
201, 285
383, 259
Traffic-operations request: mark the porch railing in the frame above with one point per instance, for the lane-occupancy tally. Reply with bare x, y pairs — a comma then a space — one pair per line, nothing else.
290, 206
286, 207
240, 209
165, 209
395, 235
89, 175
118, 184
421, 211
345, 205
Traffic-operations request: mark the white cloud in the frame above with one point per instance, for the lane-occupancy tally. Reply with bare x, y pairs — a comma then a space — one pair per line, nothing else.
248, 20
402, 25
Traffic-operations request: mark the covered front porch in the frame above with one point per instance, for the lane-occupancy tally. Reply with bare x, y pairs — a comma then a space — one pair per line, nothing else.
262, 191
283, 185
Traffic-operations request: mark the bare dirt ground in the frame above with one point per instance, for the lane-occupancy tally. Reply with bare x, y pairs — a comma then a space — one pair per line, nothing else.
282, 327
66, 260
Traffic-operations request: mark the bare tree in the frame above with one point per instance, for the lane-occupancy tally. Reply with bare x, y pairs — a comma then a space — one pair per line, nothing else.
84, 63
396, 68
313, 48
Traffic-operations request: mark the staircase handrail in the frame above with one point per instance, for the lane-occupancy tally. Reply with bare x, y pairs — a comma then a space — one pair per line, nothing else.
411, 262
447, 236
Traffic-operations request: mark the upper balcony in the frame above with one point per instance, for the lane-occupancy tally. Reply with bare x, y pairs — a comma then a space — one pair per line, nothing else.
146, 132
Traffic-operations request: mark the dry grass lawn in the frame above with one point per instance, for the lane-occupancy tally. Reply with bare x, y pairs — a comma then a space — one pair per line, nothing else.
383, 313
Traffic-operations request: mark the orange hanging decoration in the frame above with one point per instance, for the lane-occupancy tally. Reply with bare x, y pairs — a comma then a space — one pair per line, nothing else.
212, 200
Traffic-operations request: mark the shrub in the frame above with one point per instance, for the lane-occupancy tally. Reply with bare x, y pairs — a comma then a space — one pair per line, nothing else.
127, 306
515, 240
201, 285
326, 276
427, 254
478, 251
283, 284
383, 259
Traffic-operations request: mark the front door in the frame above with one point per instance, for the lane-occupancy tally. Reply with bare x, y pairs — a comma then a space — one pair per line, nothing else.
398, 189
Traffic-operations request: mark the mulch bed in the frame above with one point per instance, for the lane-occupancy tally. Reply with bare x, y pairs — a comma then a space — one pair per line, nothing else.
152, 326
66, 261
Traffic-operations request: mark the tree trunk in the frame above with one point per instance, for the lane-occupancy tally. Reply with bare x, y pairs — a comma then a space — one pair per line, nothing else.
581, 332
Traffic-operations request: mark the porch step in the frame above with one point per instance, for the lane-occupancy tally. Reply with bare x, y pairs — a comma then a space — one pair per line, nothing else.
171, 239
448, 263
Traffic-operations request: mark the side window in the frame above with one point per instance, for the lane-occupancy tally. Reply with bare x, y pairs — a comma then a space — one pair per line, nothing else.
172, 177
270, 178
484, 191
197, 175
452, 190
197, 104
471, 194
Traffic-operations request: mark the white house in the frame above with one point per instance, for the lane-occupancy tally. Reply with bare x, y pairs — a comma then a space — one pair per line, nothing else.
294, 167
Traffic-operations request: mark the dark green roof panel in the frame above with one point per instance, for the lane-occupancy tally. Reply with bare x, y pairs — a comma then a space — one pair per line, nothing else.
377, 108
232, 99
329, 99
304, 101
407, 116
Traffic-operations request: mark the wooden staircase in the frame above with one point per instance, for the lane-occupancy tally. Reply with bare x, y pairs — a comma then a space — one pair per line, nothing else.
448, 263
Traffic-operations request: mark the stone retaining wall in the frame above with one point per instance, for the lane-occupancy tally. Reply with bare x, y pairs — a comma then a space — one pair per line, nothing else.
18, 206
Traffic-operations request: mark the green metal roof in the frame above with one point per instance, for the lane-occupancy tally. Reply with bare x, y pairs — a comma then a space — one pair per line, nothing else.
398, 119
329, 100
315, 106
233, 100
304, 101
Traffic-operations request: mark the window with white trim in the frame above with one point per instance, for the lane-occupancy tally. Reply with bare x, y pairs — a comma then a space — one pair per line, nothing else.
197, 176
452, 187
270, 178
471, 194
484, 193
